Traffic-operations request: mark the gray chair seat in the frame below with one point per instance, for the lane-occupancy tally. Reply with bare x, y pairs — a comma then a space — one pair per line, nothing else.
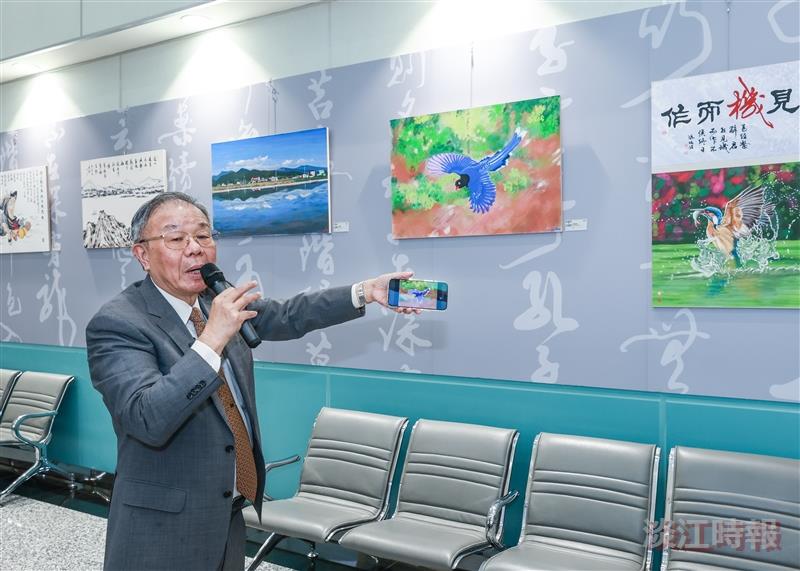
7, 436
345, 480
454, 475
536, 555
312, 518
588, 504
712, 487
32, 401
436, 544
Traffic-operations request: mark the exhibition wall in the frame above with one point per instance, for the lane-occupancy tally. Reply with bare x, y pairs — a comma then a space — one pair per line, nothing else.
570, 308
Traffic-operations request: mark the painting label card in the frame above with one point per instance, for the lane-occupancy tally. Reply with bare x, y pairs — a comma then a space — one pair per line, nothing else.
576, 224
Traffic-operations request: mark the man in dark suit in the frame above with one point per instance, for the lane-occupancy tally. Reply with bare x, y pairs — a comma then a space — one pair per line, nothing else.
178, 382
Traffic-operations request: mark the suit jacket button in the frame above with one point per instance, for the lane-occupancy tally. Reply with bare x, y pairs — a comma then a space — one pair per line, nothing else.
227, 494
229, 448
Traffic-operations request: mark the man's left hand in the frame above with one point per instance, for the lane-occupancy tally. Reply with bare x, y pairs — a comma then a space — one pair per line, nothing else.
377, 290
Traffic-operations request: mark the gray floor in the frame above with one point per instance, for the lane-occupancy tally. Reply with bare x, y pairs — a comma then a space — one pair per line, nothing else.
38, 536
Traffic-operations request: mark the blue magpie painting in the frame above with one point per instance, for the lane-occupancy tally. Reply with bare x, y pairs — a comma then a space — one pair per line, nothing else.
474, 175
481, 171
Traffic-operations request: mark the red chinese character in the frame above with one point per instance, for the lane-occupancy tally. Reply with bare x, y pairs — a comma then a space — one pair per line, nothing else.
747, 105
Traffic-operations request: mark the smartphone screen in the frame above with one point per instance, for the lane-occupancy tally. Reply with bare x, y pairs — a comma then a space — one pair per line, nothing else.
419, 294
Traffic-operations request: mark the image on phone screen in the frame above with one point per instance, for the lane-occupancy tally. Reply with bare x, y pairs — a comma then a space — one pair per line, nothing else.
419, 294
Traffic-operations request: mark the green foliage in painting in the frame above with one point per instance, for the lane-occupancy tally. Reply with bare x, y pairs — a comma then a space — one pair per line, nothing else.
422, 194
516, 181
477, 133
418, 285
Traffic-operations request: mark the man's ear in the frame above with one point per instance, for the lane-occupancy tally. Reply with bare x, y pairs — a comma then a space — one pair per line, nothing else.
140, 252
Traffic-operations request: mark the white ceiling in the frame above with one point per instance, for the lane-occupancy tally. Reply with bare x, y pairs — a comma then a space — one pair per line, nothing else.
142, 33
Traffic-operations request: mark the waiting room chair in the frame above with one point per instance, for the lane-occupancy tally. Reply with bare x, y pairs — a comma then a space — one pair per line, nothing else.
345, 481
7, 379
587, 506
746, 505
451, 498
27, 420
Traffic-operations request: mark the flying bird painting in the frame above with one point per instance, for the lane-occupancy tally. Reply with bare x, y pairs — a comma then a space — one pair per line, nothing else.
475, 172
474, 175
419, 295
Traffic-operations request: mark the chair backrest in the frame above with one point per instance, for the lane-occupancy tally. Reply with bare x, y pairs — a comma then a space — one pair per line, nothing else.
747, 504
7, 379
35, 392
455, 471
593, 492
351, 457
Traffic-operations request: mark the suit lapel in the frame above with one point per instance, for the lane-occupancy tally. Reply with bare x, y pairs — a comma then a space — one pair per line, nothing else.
164, 316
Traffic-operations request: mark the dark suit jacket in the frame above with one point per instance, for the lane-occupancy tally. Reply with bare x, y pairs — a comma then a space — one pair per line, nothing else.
171, 505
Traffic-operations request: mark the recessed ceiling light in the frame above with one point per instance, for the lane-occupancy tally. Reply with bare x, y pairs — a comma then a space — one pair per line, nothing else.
195, 20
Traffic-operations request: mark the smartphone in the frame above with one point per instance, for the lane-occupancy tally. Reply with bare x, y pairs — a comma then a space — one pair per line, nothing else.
419, 294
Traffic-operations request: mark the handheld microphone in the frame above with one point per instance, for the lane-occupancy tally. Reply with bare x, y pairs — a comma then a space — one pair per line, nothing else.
213, 278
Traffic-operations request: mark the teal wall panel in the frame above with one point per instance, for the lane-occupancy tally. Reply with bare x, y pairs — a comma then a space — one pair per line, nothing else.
288, 400
289, 397
82, 434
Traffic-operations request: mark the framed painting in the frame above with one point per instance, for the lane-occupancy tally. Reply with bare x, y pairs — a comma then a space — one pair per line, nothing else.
113, 189
24, 211
277, 184
476, 172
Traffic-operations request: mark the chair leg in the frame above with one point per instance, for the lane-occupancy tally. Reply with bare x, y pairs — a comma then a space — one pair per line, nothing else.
312, 557
270, 543
24, 477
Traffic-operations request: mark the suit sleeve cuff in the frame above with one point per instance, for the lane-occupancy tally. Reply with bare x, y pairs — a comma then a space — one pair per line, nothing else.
354, 296
207, 353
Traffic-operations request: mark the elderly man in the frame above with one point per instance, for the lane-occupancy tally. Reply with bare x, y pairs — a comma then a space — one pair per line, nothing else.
178, 382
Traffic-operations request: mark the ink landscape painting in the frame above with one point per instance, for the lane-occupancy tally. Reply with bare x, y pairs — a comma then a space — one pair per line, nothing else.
113, 189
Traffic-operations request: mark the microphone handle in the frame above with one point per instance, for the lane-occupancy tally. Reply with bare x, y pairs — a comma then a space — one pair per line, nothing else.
247, 331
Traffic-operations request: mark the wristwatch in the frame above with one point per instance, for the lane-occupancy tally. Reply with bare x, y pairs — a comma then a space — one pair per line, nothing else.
362, 297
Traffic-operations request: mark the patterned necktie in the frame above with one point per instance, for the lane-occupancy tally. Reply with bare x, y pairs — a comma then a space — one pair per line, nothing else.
246, 477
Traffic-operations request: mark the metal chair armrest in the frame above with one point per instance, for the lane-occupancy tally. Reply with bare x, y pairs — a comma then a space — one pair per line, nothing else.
276, 464
20, 420
493, 520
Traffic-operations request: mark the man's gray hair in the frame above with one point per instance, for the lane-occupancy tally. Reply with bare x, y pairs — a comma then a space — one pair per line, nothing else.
146, 210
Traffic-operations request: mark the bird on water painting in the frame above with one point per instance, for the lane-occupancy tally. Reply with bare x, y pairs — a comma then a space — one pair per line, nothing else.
742, 214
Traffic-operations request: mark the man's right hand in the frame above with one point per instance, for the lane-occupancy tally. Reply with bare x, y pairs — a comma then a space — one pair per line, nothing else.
227, 315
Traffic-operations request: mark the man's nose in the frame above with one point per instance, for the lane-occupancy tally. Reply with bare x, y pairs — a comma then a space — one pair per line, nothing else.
193, 247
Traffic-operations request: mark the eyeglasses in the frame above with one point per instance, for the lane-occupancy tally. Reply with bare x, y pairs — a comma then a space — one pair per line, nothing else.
178, 239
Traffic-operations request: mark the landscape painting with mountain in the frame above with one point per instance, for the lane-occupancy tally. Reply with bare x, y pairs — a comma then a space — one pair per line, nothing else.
277, 184
113, 189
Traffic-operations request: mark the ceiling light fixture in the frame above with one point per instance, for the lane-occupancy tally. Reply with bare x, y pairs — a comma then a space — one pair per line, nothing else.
195, 21
24, 67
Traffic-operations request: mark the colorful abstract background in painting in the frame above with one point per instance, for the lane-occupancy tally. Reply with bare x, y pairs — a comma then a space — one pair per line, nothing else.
528, 187
688, 270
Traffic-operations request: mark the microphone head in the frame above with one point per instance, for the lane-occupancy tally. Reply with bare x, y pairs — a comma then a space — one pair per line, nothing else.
211, 274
